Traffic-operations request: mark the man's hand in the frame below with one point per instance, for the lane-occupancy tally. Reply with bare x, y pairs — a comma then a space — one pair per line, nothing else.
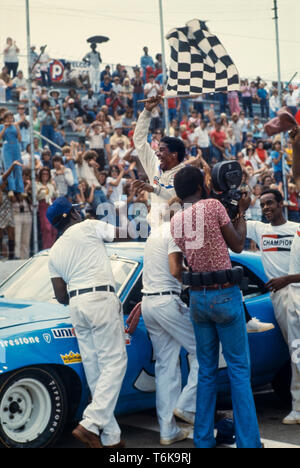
134, 318
294, 135
152, 103
244, 203
138, 186
276, 284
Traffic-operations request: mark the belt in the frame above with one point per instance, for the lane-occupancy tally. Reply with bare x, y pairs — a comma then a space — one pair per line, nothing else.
212, 287
164, 293
77, 292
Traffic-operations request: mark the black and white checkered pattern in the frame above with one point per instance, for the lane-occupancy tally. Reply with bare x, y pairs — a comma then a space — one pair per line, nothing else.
199, 63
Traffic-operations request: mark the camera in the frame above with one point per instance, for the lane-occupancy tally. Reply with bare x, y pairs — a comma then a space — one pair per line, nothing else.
226, 180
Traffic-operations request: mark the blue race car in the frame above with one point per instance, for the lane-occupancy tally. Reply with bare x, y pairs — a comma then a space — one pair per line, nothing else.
42, 381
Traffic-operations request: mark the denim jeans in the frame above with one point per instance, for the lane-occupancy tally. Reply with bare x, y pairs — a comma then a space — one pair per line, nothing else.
218, 317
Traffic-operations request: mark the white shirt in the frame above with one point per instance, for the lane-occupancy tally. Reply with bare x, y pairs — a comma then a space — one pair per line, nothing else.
156, 273
203, 137
162, 181
117, 191
275, 245
87, 172
294, 288
79, 256
153, 89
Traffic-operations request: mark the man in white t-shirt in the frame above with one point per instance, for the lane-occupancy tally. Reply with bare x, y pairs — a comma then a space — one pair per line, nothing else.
274, 241
168, 321
82, 277
291, 282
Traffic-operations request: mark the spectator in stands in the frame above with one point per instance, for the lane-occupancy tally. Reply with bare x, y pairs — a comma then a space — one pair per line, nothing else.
11, 136
4, 76
24, 126
127, 120
274, 104
19, 83
69, 156
117, 86
237, 127
44, 62
46, 193
105, 73
22, 210
105, 89
47, 119
93, 59
138, 92
62, 176
263, 98
27, 159
233, 102
11, 58
127, 93
71, 113
146, 61
218, 138
291, 101
118, 135
46, 157
89, 104
246, 97
55, 100
95, 135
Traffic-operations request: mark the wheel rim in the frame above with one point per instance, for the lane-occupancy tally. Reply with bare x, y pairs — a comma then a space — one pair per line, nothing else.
25, 410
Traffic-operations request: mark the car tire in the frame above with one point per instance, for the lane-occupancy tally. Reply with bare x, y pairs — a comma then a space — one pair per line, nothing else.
33, 408
281, 384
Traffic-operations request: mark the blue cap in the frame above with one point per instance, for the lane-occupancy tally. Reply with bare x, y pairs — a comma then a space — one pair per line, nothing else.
59, 209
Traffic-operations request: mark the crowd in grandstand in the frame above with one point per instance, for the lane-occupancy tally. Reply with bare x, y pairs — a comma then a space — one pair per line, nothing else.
83, 140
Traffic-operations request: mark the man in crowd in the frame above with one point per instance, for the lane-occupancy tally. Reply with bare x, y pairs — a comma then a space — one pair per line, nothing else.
81, 275
93, 59
203, 232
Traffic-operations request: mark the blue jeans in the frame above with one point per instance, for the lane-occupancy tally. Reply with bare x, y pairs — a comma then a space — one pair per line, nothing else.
218, 317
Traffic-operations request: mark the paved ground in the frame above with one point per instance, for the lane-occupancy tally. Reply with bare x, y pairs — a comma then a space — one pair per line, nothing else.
140, 430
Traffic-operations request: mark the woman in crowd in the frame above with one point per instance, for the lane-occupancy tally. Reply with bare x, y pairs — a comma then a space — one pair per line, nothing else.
46, 192
11, 136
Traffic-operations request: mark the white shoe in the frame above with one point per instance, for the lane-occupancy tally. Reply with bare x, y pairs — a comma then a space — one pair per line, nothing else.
181, 435
292, 418
255, 326
186, 416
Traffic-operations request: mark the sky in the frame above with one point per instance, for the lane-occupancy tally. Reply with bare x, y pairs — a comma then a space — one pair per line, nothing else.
245, 27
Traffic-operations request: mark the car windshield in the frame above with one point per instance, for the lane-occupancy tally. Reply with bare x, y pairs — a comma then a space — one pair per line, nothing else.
32, 282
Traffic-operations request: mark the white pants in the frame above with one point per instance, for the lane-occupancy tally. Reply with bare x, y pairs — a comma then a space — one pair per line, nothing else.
98, 321
168, 321
280, 302
94, 74
293, 319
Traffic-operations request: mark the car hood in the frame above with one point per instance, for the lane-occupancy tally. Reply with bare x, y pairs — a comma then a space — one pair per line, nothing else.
17, 312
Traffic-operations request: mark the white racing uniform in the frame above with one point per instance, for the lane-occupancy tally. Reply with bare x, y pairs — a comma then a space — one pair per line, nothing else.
79, 257
168, 321
293, 322
163, 182
275, 244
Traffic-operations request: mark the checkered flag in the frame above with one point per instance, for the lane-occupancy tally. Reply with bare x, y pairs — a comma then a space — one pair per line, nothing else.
199, 63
